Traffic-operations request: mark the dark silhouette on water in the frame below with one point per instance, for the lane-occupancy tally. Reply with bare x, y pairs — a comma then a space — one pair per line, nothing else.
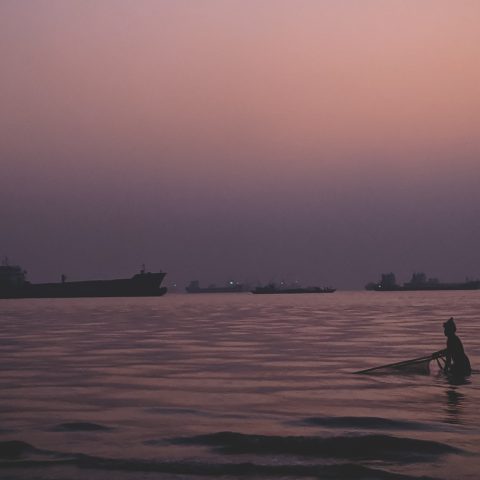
457, 363
232, 287
452, 360
414, 365
14, 284
419, 282
272, 288
454, 405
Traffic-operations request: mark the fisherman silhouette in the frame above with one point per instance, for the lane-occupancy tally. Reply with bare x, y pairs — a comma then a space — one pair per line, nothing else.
457, 363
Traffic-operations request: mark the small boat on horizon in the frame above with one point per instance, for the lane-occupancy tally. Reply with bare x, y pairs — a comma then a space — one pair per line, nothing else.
231, 287
419, 282
273, 289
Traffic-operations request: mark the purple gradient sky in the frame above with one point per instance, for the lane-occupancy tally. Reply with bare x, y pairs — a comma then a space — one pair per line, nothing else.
319, 141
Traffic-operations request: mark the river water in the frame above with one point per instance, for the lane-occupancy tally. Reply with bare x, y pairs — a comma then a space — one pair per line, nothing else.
236, 386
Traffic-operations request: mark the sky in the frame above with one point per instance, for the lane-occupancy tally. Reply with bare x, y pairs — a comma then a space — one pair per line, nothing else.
318, 141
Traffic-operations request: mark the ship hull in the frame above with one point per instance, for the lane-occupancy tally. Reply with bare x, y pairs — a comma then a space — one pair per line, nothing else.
430, 288
271, 291
232, 287
215, 290
140, 285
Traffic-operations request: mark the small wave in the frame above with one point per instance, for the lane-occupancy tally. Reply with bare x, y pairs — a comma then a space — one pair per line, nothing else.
371, 447
172, 410
372, 423
194, 469
14, 449
19, 455
248, 469
79, 427
189, 411
6, 430
20, 452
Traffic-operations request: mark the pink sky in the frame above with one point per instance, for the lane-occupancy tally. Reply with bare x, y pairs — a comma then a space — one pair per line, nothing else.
287, 126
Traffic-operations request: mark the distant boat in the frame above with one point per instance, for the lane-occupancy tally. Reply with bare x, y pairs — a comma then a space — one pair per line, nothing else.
232, 287
13, 284
419, 282
273, 289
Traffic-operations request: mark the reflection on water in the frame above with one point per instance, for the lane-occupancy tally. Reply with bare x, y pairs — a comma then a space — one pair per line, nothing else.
453, 411
235, 385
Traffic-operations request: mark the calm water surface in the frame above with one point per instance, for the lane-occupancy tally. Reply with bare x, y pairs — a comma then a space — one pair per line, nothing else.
236, 386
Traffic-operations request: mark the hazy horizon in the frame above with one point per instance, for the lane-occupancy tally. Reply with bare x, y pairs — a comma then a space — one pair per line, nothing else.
324, 142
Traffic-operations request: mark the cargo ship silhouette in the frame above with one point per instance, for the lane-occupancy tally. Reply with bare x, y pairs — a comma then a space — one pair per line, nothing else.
419, 281
14, 284
272, 289
232, 287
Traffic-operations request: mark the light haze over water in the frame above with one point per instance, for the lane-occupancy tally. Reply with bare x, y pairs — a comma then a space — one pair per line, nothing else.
320, 141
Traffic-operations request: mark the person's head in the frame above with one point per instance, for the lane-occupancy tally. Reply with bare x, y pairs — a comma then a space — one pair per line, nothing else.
449, 327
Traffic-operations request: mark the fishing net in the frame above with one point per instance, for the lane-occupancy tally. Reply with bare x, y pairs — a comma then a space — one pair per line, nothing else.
418, 366
415, 365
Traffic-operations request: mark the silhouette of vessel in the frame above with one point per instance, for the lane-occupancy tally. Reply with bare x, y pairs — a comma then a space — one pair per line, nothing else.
419, 282
273, 289
232, 287
13, 284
